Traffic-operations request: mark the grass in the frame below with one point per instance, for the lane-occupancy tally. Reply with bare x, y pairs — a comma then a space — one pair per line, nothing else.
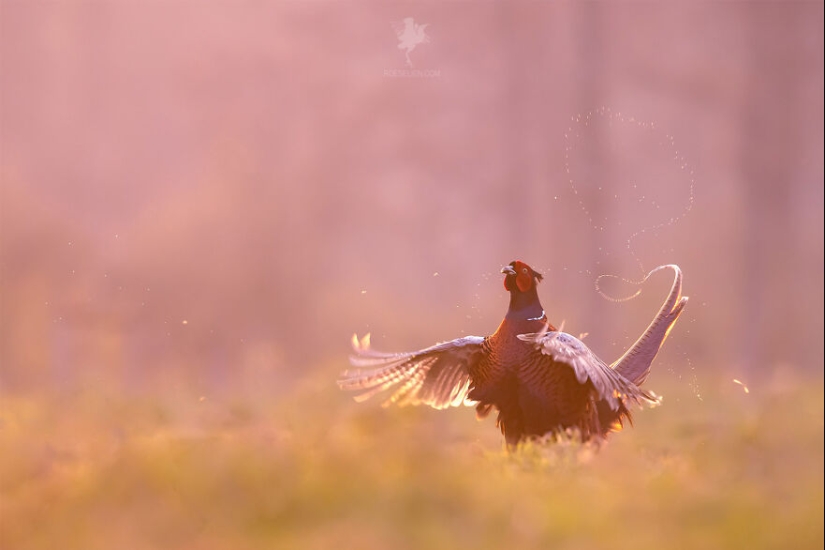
316, 470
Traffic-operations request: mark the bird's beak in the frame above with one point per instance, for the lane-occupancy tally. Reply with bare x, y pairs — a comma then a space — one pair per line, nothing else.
508, 270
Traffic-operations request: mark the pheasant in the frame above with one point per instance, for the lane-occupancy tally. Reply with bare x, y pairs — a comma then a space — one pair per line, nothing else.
542, 381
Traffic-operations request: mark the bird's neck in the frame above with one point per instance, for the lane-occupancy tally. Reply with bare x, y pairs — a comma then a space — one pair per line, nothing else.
525, 306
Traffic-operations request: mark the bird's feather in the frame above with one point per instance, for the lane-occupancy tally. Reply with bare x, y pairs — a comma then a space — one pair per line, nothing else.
635, 363
560, 348
437, 376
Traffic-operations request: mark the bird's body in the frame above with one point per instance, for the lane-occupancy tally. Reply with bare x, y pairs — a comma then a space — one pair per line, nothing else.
541, 381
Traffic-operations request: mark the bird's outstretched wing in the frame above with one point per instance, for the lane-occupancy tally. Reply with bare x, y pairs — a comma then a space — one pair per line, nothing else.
634, 365
437, 376
562, 348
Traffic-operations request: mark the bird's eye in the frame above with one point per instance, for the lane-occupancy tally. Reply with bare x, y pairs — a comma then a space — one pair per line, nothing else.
524, 270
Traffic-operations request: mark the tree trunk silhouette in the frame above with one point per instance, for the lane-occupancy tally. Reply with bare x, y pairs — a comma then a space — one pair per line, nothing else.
770, 115
594, 158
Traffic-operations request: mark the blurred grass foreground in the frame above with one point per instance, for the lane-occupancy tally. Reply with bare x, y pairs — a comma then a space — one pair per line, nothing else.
724, 469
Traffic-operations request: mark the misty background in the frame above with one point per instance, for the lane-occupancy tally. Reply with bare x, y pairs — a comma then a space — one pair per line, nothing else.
216, 196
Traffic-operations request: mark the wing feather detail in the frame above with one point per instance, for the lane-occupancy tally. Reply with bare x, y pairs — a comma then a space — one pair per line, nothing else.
610, 386
438, 376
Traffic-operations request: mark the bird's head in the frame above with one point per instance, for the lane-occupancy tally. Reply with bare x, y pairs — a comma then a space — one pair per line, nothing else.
520, 277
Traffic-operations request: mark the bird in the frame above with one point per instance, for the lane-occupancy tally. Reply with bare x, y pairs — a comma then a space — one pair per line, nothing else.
542, 382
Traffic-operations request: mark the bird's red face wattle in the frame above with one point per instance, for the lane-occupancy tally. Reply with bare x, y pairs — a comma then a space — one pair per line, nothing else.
524, 277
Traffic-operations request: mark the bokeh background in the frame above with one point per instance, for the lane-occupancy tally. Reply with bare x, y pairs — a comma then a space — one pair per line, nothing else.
202, 201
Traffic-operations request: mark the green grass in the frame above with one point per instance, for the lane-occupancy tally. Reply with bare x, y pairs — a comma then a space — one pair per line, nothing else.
316, 470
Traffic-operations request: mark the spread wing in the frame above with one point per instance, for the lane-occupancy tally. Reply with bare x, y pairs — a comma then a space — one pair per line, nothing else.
560, 347
635, 363
437, 376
